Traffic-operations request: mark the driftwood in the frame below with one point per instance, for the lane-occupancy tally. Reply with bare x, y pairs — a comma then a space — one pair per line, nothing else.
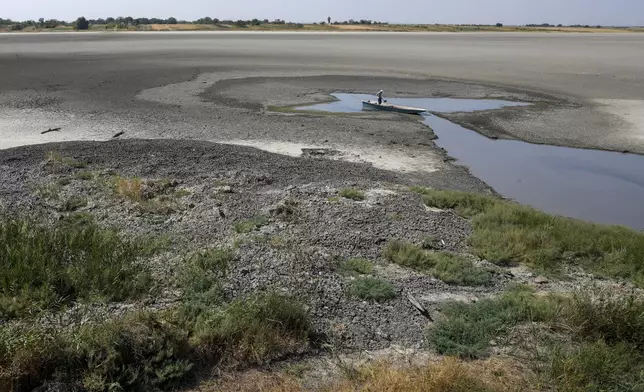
419, 307
50, 130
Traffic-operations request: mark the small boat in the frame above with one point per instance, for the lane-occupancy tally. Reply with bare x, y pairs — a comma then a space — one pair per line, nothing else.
392, 108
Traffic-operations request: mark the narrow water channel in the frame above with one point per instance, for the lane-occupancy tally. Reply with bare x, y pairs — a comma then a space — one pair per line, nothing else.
598, 186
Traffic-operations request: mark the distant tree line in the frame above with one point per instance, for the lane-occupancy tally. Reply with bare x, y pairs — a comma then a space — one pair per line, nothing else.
124, 22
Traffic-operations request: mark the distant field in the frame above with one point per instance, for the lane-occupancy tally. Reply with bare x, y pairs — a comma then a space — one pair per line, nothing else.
326, 27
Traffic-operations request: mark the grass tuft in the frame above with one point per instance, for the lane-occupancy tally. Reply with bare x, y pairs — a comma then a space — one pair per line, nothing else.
131, 188
451, 268
251, 225
506, 233
372, 289
357, 266
353, 194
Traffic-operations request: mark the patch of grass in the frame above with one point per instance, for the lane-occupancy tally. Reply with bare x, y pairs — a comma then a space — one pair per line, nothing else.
56, 160
506, 233
85, 175
353, 194
466, 329
458, 270
372, 289
202, 276
451, 268
45, 267
49, 191
357, 266
463, 203
251, 225
74, 203
597, 367
334, 199
253, 330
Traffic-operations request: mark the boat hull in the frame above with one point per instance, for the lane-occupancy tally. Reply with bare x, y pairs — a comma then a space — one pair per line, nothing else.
392, 108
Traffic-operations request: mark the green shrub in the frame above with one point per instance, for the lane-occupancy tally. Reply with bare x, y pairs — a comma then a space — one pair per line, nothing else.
254, 330
466, 329
251, 225
136, 352
353, 194
44, 267
372, 289
152, 350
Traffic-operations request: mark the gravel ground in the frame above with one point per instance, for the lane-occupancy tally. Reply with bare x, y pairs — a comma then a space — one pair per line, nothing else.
296, 252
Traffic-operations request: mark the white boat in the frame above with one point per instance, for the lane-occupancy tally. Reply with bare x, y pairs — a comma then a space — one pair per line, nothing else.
392, 108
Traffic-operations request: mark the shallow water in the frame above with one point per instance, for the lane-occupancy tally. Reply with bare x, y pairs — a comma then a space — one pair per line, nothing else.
599, 186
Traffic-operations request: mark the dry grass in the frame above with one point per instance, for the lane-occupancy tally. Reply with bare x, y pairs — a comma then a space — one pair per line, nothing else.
131, 188
447, 375
253, 381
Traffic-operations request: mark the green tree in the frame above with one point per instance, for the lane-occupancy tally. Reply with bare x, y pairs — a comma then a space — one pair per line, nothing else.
81, 24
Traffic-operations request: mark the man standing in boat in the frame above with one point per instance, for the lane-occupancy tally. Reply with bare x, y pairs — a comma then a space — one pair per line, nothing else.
380, 97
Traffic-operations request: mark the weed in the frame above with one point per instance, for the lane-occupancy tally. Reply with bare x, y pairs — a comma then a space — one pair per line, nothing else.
334, 199
372, 289
467, 329
357, 266
506, 232
251, 225
44, 267
449, 267
353, 194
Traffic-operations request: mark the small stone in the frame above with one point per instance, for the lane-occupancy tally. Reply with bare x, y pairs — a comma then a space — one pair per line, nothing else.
541, 280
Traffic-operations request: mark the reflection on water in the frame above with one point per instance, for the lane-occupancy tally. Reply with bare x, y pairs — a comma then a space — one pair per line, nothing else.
600, 186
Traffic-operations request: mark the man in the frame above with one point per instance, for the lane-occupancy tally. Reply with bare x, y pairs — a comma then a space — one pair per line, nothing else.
380, 97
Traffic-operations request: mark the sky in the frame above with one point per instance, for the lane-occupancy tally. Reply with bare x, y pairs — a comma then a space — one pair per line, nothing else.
594, 12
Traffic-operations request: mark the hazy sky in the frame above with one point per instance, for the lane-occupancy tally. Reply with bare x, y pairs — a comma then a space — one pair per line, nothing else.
604, 12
